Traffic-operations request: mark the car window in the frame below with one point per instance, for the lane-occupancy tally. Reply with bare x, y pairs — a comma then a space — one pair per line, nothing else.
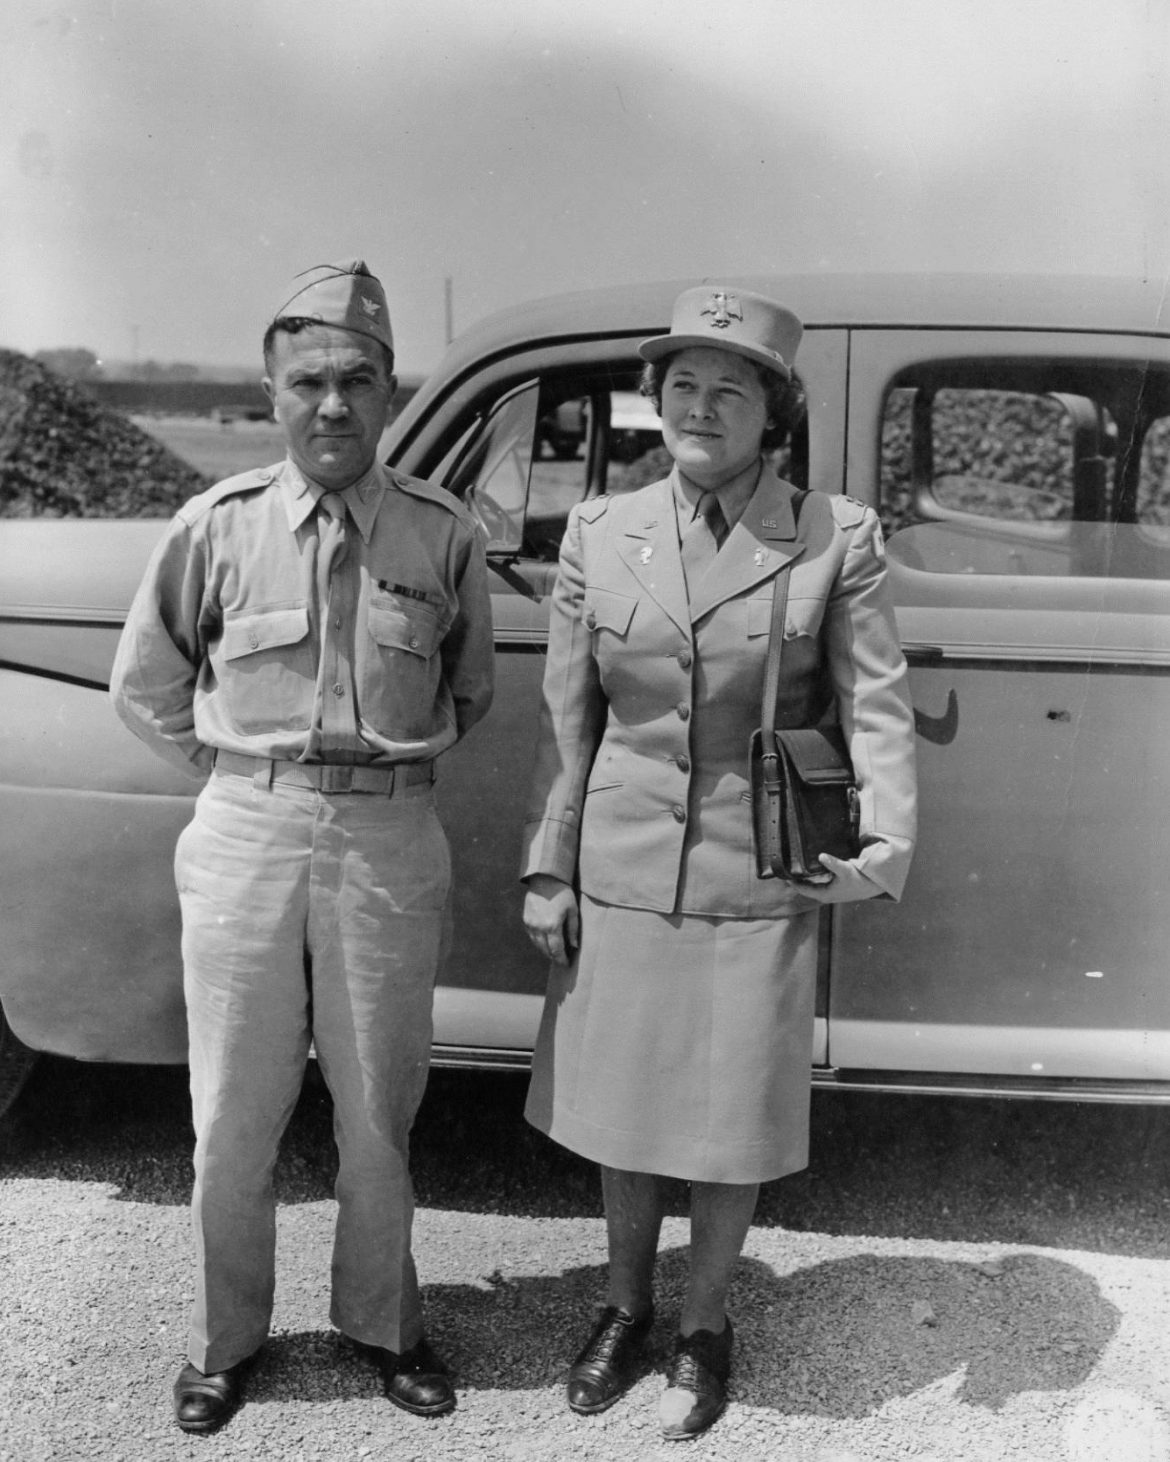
548, 443
1050, 473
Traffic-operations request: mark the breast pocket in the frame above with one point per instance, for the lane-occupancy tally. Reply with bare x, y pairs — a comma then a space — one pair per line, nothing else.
803, 616
403, 667
606, 612
266, 668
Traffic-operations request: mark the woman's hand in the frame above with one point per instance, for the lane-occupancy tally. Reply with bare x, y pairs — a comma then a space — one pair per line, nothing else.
849, 884
551, 917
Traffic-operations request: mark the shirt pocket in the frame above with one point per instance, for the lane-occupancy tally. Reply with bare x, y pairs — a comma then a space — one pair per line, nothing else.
414, 629
267, 669
402, 669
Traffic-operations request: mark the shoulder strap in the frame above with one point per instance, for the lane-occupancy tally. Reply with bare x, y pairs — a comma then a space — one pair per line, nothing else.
776, 638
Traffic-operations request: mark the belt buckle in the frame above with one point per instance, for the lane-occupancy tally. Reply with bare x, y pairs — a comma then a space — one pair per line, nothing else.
336, 777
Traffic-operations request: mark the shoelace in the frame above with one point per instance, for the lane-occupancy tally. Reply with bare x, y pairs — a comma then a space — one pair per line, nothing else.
684, 1372
604, 1345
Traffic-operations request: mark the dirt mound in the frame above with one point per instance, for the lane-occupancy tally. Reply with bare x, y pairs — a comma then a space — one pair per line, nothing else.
62, 455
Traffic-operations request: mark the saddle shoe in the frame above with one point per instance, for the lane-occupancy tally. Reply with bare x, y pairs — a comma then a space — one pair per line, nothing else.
696, 1383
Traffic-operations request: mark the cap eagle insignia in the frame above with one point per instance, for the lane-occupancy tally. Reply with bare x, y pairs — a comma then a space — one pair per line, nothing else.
370, 306
724, 308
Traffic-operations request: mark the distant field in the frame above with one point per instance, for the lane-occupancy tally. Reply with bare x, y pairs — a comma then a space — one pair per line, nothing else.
219, 449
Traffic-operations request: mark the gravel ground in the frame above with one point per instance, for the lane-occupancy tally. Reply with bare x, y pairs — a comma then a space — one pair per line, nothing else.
949, 1281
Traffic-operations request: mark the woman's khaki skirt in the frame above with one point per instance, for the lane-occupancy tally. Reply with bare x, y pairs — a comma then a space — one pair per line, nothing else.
681, 1045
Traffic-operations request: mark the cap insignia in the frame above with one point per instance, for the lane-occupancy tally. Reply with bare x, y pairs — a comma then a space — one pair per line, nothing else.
370, 306
724, 308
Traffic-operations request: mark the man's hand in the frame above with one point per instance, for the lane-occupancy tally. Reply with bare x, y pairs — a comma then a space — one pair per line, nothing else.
552, 918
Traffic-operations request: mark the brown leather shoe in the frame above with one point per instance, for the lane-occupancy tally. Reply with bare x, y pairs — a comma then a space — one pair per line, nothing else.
609, 1362
415, 1379
696, 1383
204, 1401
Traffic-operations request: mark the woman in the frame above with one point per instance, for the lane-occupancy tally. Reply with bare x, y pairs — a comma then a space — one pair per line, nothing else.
677, 1030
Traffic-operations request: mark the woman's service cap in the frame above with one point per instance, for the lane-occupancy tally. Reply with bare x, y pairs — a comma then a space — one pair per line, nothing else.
730, 319
345, 295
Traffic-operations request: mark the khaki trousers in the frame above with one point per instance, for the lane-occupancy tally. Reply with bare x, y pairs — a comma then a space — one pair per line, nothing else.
307, 917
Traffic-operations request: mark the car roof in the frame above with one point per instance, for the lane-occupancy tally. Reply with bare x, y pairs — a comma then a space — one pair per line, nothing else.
1104, 304
983, 301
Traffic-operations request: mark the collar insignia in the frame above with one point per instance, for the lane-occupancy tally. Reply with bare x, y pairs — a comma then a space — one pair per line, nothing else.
724, 308
646, 553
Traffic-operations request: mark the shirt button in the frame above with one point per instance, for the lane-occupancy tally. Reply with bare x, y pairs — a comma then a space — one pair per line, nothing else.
339, 689
591, 620
684, 659
683, 763
684, 711
337, 624
678, 813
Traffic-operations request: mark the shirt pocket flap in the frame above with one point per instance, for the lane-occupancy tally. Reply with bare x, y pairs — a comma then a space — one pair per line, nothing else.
603, 609
802, 616
401, 628
250, 633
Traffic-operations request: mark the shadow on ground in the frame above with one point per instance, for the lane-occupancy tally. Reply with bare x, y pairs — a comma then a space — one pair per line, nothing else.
1052, 1174
805, 1345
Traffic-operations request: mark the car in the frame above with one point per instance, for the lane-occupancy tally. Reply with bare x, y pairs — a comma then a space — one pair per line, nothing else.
1014, 435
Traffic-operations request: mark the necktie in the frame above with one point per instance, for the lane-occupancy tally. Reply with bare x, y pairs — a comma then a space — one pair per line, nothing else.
703, 538
333, 734
331, 547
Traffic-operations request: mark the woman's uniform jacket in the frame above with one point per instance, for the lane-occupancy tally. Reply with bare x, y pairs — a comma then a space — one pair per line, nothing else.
641, 792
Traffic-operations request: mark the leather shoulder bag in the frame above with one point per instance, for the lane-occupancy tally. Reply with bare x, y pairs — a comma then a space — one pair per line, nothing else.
804, 794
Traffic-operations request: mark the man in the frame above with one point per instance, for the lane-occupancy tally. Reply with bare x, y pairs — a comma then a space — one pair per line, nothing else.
312, 635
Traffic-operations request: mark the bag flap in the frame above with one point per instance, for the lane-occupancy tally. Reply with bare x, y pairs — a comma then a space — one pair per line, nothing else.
817, 754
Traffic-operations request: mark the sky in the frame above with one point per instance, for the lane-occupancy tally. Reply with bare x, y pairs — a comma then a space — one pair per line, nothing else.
167, 165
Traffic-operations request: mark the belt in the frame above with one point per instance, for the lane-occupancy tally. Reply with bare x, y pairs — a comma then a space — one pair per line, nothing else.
327, 776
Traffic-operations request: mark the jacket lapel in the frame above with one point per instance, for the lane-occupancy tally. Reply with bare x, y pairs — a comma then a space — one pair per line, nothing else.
647, 543
760, 544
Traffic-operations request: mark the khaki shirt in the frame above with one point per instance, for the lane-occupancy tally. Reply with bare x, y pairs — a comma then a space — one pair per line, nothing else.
228, 646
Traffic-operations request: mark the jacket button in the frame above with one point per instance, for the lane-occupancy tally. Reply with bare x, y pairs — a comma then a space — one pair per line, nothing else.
683, 763
339, 689
684, 711
254, 642
678, 813
414, 644
684, 659
591, 620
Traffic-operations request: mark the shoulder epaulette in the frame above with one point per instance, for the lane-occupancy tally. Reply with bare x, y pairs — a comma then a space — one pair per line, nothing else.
848, 511
251, 481
430, 492
593, 508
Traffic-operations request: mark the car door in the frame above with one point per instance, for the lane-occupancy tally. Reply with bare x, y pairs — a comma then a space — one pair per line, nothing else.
486, 441
1022, 479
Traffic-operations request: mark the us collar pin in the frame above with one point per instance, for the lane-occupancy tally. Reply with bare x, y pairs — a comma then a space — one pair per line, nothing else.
769, 522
